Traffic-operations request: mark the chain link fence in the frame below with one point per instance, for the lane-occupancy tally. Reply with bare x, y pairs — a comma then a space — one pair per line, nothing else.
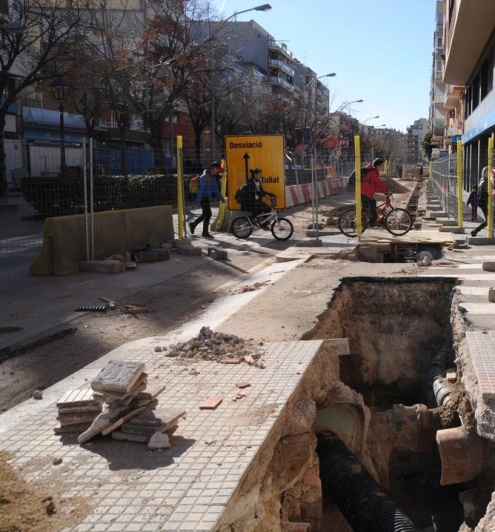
445, 174
444, 180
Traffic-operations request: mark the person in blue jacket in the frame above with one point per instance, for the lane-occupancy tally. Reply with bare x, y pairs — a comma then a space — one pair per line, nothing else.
207, 188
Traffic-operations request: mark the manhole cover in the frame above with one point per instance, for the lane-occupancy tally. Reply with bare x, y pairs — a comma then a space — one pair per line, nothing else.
7, 330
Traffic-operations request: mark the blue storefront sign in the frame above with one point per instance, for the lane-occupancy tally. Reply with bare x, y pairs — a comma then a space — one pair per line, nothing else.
456, 139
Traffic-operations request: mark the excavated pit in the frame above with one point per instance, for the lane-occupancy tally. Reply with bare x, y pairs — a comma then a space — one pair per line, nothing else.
396, 327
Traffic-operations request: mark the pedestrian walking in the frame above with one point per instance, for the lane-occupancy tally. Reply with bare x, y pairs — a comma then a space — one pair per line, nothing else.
473, 201
207, 188
483, 198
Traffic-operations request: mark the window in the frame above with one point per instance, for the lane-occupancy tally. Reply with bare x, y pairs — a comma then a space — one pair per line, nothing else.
486, 77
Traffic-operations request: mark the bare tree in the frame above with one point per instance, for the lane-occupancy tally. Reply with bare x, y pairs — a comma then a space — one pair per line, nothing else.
34, 34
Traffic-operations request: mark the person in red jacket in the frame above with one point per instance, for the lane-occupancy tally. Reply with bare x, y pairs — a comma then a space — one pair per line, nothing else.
370, 184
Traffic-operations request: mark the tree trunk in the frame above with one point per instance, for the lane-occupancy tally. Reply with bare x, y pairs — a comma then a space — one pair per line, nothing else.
3, 169
156, 143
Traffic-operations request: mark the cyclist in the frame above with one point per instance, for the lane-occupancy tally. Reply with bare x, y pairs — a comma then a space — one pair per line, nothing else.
254, 194
370, 184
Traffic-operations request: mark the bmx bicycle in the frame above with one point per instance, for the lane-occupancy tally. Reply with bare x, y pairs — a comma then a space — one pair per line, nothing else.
396, 220
281, 228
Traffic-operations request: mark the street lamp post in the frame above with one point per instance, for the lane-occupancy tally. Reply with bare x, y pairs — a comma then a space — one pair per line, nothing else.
60, 87
213, 129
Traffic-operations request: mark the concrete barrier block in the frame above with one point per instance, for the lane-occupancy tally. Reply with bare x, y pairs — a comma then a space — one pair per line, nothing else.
217, 254
188, 251
489, 266
64, 237
448, 229
491, 295
102, 266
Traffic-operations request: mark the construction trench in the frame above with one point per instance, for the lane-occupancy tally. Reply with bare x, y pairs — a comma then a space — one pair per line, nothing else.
405, 455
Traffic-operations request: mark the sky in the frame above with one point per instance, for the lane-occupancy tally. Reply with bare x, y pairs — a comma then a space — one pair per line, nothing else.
380, 50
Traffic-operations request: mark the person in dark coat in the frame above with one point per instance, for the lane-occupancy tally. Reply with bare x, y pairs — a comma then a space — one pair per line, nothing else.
254, 194
483, 198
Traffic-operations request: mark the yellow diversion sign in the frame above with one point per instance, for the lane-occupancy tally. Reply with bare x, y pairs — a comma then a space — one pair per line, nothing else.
246, 152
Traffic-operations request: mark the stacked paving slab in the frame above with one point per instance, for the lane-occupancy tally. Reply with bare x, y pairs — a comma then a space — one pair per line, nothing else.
118, 404
76, 411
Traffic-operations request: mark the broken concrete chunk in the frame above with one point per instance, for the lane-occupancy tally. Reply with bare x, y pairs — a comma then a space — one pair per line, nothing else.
159, 441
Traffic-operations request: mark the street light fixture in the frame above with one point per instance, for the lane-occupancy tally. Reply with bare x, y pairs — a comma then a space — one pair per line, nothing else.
263, 7
60, 87
332, 75
371, 118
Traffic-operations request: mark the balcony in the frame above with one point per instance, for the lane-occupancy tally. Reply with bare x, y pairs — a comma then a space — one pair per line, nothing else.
277, 80
280, 47
469, 31
276, 63
453, 96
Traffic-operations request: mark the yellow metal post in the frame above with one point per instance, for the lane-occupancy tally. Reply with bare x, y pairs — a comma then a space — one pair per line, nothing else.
490, 187
180, 188
460, 203
222, 206
357, 158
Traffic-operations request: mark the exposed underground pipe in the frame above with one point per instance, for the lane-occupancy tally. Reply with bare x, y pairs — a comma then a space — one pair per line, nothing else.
355, 492
462, 454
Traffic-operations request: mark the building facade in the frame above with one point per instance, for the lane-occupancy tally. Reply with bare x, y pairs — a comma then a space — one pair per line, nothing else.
468, 60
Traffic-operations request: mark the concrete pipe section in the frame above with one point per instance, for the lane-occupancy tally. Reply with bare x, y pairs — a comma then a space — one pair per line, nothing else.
462, 455
345, 420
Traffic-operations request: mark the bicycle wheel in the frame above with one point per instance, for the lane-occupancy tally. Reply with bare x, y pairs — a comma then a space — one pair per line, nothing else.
398, 222
282, 229
241, 227
348, 222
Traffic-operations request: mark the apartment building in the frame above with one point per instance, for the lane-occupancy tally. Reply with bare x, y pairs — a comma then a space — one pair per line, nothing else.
415, 136
436, 119
469, 60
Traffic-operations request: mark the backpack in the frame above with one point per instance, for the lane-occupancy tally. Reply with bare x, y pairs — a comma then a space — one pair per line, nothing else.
240, 195
193, 184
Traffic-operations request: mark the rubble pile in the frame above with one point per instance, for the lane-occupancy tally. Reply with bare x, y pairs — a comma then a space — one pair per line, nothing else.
219, 347
125, 409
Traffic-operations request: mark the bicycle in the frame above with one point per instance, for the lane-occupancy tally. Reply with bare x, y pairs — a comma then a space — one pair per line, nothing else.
396, 220
281, 228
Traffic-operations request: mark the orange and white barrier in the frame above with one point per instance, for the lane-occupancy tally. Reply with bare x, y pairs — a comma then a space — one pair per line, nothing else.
301, 194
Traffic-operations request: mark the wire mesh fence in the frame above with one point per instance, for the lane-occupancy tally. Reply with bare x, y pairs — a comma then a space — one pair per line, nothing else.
444, 175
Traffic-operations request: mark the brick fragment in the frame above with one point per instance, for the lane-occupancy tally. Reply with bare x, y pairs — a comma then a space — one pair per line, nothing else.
210, 403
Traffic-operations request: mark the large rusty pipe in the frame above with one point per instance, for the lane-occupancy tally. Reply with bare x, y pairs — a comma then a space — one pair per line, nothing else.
462, 455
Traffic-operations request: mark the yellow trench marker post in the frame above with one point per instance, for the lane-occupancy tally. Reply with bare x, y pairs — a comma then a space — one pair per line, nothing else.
460, 203
490, 187
357, 179
180, 188
223, 206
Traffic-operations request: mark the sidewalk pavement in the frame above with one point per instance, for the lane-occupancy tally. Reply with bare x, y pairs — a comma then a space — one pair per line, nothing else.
192, 488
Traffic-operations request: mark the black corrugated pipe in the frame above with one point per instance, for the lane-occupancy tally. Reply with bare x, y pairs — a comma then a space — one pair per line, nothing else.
355, 492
